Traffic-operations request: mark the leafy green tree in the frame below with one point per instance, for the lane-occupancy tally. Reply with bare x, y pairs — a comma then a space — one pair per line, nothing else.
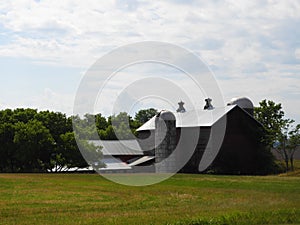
279, 132
56, 122
288, 143
33, 144
58, 125
68, 155
23, 115
7, 148
108, 134
6, 116
271, 116
32, 141
144, 115
91, 153
122, 125
41, 141
281, 143
85, 127
102, 127
101, 122
294, 143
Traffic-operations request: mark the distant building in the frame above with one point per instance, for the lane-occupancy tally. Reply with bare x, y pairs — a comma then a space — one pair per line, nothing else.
241, 151
123, 156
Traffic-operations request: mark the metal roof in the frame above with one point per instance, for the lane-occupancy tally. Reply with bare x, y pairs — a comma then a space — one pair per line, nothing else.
194, 118
114, 164
119, 147
141, 160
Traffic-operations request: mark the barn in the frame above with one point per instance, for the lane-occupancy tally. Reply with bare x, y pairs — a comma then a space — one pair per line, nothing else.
227, 140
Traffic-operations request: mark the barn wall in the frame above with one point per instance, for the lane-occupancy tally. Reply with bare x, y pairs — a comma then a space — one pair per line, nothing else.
193, 164
146, 139
241, 151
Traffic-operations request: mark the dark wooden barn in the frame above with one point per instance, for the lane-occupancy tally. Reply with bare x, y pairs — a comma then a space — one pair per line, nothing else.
240, 148
227, 140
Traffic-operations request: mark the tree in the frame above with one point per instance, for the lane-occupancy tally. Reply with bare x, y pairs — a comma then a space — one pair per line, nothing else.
123, 126
101, 122
144, 115
56, 122
280, 134
294, 143
281, 144
91, 153
23, 115
33, 146
32, 141
7, 147
6, 116
68, 155
271, 116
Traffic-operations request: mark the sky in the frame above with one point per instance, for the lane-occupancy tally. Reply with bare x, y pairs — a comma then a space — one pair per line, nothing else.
46, 47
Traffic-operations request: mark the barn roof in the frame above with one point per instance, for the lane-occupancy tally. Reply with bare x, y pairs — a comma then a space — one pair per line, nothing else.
119, 147
193, 118
114, 164
141, 160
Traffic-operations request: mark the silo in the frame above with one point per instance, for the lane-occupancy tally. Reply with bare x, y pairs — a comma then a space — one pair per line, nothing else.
165, 142
244, 103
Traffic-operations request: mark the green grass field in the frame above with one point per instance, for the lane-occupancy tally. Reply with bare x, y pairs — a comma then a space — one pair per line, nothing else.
183, 199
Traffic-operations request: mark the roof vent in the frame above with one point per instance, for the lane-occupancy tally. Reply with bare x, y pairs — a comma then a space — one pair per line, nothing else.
208, 104
180, 109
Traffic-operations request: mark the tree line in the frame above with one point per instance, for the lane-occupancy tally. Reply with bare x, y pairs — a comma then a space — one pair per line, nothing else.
43, 141
116, 127
32, 141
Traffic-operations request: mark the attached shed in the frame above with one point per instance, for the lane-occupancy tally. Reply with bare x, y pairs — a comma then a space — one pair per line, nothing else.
123, 155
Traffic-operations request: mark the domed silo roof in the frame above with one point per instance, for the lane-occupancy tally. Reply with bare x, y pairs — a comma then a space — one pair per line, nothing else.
166, 115
243, 102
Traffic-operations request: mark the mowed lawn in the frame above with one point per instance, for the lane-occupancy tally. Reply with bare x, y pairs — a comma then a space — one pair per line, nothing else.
183, 199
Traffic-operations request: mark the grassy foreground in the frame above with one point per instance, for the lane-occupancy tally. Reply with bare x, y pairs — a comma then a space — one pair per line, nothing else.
183, 199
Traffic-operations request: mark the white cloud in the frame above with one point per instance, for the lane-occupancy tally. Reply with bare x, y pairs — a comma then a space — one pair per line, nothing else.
297, 53
252, 46
74, 32
48, 100
55, 100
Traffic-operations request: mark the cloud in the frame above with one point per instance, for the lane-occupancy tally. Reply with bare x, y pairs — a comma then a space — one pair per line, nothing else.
297, 53
252, 46
74, 32
255, 68
48, 100
56, 100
